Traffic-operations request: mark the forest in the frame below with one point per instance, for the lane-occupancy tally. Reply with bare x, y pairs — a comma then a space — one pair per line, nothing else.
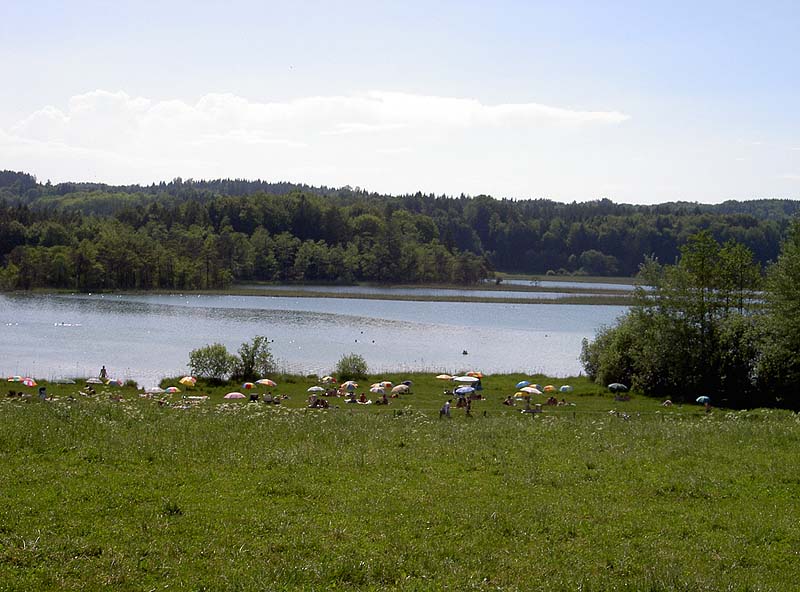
189, 234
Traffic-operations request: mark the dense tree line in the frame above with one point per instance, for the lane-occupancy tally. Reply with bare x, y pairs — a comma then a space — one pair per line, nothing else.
711, 325
208, 234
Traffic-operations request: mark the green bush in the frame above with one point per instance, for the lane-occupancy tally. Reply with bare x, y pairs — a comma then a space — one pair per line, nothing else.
255, 359
351, 366
212, 361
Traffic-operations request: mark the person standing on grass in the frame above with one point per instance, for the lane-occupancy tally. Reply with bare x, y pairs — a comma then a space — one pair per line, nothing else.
103, 373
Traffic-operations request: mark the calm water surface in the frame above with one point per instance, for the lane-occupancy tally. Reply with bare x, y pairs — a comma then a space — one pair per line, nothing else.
150, 336
569, 284
386, 291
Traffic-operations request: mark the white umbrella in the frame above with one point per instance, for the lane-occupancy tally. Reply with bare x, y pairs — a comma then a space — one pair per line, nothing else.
531, 390
316, 389
378, 390
400, 388
468, 379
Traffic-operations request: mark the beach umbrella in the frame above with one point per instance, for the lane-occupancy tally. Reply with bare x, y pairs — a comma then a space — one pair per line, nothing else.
444, 377
400, 388
172, 390
350, 385
188, 380
386, 384
537, 386
464, 390
474, 374
234, 395
268, 382
466, 379
93, 381
15, 378
549, 388
407, 382
315, 389
64, 381
115, 382
377, 390
615, 387
328, 379
28, 381
523, 383
566, 389
521, 395
154, 390
248, 385
703, 400
530, 390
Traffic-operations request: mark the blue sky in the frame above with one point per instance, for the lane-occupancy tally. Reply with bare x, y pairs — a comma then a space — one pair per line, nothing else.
640, 102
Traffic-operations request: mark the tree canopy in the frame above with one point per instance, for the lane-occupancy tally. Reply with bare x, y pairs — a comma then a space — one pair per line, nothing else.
708, 325
189, 234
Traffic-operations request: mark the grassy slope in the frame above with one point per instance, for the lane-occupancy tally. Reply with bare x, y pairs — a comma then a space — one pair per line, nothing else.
125, 494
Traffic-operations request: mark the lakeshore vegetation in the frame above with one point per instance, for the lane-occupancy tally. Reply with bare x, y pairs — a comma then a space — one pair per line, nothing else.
705, 327
191, 235
113, 490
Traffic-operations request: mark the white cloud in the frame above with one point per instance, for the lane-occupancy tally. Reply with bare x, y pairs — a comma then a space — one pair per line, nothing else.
115, 137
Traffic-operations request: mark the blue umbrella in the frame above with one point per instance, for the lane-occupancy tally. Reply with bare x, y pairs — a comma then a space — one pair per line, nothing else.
522, 383
464, 390
703, 400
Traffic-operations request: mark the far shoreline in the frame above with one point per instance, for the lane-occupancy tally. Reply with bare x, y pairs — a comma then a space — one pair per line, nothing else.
576, 295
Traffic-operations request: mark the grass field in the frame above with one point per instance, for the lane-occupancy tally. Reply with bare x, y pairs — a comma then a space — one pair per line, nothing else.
116, 492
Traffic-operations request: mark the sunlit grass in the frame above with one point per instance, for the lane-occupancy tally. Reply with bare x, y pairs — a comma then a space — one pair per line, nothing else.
116, 492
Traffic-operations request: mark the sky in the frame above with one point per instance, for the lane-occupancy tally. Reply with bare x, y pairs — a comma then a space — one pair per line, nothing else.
638, 102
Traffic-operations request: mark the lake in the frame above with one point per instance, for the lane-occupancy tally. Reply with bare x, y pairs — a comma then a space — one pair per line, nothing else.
421, 292
147, 337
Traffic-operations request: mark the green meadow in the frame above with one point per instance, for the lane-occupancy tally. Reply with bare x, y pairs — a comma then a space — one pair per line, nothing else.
115, 491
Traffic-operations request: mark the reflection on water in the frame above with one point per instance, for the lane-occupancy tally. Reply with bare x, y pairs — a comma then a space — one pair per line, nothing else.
145, 337
569, 284
436, 292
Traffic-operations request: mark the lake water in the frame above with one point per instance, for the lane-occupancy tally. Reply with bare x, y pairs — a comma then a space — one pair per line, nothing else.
568, 284
400, 291
147, 337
